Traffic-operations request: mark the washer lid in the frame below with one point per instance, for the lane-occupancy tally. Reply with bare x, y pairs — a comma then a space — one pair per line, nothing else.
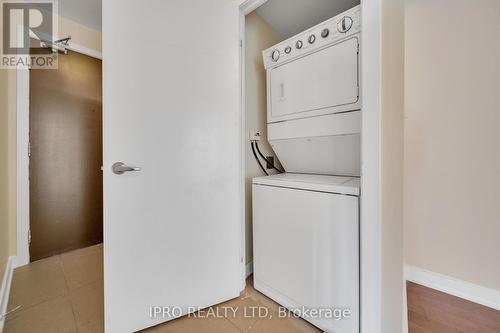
323, 183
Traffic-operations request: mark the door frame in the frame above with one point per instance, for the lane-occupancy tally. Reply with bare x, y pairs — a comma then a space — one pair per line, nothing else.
371, 241
245, 8
22, 135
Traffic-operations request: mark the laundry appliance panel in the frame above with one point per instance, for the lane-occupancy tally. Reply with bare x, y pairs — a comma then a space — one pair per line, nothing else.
323, 82
313, 87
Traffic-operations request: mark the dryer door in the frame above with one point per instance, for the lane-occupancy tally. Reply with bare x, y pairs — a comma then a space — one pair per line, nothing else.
320, 83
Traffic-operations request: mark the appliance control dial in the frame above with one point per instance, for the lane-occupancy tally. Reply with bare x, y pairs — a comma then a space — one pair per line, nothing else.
288, 49
325, 32
299, 44
345, 24
311, 39
275, 55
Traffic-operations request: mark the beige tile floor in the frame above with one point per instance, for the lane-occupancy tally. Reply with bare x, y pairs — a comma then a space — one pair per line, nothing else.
65, 294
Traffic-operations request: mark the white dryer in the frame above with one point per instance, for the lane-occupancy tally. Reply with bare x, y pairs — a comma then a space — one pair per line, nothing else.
306, 246
314, 100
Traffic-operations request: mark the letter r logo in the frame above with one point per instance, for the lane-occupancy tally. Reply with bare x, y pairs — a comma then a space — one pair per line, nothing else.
19, 19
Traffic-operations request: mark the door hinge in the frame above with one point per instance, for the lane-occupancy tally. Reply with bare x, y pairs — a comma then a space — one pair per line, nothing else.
241, 43
29, 236
358, 48
29, 148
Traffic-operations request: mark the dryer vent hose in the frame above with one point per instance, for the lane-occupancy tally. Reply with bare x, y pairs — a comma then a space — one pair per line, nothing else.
255, 146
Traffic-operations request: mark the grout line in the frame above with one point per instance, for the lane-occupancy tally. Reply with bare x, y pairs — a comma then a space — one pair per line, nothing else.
64, 272
234, 325
22, 307
69, 292
73, 312
65, 293
70, 298
78, 257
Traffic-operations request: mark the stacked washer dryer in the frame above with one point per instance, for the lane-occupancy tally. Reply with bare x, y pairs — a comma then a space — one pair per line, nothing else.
306, 221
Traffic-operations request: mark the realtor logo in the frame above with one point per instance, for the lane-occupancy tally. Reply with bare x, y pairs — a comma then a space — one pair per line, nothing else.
22, 22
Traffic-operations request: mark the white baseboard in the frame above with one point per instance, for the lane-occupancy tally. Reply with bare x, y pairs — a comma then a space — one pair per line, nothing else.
249, 268
4, 292
466, 290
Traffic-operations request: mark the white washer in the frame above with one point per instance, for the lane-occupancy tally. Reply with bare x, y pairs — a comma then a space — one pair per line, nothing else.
306, 246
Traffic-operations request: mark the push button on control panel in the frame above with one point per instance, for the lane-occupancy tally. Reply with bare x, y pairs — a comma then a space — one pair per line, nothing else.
321, 36
275, 55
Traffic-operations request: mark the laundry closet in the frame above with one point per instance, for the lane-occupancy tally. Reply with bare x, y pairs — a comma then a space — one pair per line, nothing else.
303, 109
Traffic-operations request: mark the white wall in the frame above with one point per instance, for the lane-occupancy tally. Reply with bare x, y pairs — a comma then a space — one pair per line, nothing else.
452, 139
4, 217
7, 121
258, 37
382, 166
392, 163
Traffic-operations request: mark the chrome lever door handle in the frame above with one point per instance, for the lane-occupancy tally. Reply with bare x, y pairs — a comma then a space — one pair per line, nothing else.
120, 168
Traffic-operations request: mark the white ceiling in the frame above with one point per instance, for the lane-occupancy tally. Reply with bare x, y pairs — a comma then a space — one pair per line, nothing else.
85, 12
286, 17
289, 17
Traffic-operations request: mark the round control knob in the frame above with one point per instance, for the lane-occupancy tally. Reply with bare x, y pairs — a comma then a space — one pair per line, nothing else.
275, 55
345, 24
288, 49
325, 32
311, 39
299, 44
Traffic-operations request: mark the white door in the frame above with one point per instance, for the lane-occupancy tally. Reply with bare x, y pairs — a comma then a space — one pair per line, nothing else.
172, 231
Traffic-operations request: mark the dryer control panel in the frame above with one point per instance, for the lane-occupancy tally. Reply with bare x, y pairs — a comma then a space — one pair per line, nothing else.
315, 38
